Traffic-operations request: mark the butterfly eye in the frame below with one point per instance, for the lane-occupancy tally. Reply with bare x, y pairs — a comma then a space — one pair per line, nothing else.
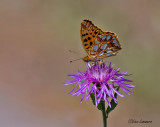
95, 48
108, 37
103, 46
101, 54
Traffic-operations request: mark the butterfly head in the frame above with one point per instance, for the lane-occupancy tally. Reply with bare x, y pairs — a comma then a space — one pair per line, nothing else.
88, 59
91, 59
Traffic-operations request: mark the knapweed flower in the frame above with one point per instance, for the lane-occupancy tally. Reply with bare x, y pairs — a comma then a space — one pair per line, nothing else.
101, 80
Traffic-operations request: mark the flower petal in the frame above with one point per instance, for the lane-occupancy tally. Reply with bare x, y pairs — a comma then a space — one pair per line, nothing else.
73, 89
100, 79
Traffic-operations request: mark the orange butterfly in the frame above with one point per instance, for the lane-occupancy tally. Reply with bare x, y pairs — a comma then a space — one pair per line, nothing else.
98, 44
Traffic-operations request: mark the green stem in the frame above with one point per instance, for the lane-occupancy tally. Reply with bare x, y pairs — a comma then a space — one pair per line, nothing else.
104, 114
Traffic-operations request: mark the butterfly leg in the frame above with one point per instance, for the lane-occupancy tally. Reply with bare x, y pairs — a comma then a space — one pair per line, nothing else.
100, 61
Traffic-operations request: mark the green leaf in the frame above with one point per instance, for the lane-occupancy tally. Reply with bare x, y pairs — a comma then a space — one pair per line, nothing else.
113, 104
93, 101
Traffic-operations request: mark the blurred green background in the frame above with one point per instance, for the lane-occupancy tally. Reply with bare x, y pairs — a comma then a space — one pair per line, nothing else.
35, 39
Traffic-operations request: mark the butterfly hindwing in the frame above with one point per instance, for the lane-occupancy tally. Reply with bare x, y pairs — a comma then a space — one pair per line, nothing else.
108, 45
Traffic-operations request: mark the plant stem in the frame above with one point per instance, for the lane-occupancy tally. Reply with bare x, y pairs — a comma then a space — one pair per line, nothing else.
104, 114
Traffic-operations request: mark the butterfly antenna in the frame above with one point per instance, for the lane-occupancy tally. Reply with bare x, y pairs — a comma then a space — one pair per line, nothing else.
75, 60
71, 51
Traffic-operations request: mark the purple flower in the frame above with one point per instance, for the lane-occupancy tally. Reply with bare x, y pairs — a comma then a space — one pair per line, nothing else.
102, 80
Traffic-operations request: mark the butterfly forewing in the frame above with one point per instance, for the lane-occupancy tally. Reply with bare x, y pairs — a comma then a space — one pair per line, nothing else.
89, 33
98, 44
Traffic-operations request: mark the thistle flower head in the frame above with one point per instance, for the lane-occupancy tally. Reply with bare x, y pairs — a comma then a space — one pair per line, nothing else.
100, 79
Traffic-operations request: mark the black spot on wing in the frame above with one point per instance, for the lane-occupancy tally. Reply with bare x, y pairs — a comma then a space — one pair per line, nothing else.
85, 40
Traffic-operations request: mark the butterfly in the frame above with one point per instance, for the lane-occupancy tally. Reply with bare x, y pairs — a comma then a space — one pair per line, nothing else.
98, 44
